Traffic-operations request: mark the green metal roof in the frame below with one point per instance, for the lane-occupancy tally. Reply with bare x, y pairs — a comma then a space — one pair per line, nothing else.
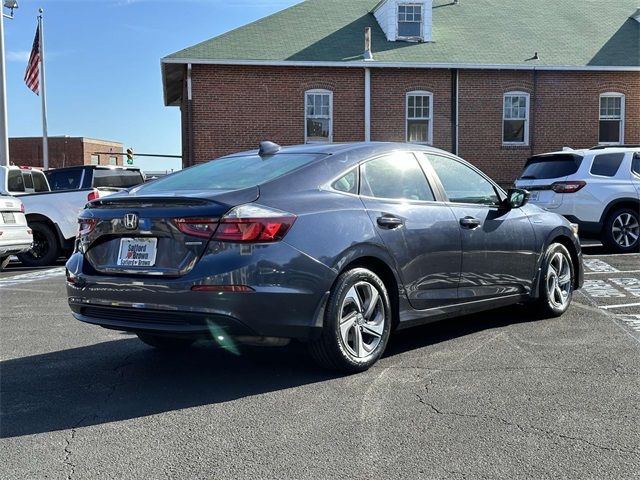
586, 33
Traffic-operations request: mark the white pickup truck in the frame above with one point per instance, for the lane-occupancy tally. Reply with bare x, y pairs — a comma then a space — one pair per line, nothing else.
53, 216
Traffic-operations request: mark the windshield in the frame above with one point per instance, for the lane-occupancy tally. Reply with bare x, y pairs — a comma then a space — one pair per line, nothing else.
551, 166
231, 173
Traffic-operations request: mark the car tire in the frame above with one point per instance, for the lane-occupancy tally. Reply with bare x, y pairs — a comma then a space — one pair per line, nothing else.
45, 250
4, 261
619, 231
162, 342
357, 323
557, 280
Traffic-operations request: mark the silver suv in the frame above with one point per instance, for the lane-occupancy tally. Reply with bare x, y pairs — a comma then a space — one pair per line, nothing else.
599, 189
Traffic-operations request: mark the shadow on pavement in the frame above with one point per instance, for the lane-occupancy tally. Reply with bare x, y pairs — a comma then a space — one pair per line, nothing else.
125, 379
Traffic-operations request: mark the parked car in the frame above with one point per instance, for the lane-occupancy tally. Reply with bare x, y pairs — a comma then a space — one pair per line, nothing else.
15, 236
104, 178
599, 189
334, 245
52, 216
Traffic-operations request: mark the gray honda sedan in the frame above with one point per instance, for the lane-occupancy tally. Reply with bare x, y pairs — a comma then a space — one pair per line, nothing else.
333, 245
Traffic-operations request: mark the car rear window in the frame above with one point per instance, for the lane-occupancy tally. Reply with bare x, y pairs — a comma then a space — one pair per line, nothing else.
231, 173
607, 165
15, 182
116, 178
551, 166
65, 179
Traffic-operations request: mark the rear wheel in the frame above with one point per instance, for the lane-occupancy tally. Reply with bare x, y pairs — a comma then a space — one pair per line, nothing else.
556, 282
357, 323
165, 343
622, 230
45, 250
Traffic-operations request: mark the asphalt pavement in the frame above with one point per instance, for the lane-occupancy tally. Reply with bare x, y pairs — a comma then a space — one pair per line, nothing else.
495, 395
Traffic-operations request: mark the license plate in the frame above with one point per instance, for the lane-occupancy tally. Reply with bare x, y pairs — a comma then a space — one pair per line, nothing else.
8, 217
137, 252
534, 196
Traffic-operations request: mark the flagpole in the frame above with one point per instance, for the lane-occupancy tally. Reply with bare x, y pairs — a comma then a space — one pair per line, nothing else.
4, 131
43, 95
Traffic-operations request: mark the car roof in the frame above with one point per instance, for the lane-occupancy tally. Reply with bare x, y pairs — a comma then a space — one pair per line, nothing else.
591, 151
94, 167
341, 148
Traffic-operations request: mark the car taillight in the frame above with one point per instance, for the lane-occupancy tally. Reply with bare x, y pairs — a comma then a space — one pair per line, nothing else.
93, 195
568, 187
86, 226
254, 224
197, 227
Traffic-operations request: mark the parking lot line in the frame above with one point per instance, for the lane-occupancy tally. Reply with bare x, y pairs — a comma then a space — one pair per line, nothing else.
609, 273
609, 307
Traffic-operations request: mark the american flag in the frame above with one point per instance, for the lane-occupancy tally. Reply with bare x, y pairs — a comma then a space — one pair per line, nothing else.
32, 75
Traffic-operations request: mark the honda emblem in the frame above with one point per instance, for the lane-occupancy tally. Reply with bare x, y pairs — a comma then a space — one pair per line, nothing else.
131, 221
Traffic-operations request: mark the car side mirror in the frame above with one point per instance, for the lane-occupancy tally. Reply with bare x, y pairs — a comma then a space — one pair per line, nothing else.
516, 198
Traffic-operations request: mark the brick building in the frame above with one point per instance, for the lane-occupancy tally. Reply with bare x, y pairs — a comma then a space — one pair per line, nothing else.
65, 151
494, 81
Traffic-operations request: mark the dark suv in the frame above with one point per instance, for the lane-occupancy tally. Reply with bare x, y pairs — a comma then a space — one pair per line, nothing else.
94, 176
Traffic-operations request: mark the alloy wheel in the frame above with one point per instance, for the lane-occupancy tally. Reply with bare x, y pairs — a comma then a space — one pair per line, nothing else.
559, 280
625, 230
362, 320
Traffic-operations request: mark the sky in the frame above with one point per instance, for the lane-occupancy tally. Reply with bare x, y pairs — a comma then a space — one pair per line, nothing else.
103, 66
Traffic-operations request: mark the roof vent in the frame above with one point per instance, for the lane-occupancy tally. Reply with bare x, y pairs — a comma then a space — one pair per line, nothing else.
268, 148
368, 53
636, 16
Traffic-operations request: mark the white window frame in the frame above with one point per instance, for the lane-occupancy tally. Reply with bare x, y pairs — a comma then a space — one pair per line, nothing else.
525, 142
622, 115
418, 5
318, 91
419, 93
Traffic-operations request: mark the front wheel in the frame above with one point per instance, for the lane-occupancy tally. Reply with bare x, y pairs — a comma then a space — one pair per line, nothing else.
357, 323
622, 231
165, 343
556, 282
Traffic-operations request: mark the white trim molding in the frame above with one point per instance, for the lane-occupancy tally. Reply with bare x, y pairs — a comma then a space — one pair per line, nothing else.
612, 117
516, 112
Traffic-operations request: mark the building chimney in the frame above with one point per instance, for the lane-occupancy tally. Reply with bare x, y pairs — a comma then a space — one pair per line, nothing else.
368, 53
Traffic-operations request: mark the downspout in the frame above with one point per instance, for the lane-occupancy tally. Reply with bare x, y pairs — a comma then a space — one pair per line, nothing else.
455, 107
532, 113
190, 116
367, 104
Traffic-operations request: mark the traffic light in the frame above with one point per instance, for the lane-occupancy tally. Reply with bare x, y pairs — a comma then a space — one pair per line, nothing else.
129, 156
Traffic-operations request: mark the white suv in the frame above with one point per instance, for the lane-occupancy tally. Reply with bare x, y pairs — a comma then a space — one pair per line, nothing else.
599, 189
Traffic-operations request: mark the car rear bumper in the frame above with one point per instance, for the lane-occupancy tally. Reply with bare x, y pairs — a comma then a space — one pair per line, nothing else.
286, 297
13, 249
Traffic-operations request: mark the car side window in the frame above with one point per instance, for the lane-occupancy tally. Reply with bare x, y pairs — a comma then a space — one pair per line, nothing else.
347, 183
635, 163
397, 176
461, 183
65, 179
15, 183
39, 181
607, 165
28, 180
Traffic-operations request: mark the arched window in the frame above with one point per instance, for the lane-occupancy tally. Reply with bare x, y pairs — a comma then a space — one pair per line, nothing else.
420, 117
515, 118
318, 116
611, 119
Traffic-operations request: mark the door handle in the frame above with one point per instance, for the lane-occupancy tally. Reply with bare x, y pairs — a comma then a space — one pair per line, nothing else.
390, 222
469, 222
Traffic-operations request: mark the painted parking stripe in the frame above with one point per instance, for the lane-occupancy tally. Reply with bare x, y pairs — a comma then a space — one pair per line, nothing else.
624, 305
601, 289
598, 266
619, 272
631, 285
632, 320
31, 277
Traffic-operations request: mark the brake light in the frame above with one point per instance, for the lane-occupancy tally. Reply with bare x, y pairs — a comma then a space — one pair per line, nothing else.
568, 187
254, 224
93, 195
86, 226
197, 227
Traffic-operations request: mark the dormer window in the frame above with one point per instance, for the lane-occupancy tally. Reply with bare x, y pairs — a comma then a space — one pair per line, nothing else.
410, 20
